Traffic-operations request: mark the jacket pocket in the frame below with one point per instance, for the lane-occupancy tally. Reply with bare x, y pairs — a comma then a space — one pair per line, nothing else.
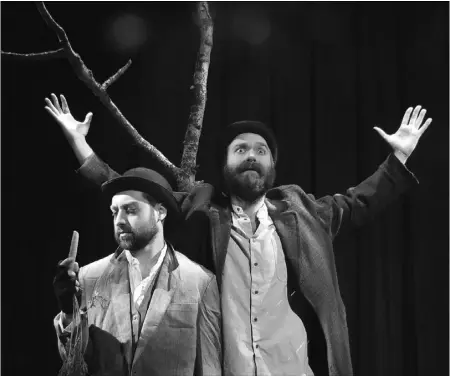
181, 315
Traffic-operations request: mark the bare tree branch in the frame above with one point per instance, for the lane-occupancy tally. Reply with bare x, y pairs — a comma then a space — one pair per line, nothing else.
86, 75
116, 76
195, 122
185, 176
47, 55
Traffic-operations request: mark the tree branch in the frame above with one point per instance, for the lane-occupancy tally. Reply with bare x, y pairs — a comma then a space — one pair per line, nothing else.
195, 122
116, 76
185, 176
35, 56
86, 75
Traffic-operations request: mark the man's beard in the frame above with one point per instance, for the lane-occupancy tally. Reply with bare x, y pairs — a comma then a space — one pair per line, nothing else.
249, 181
134, 240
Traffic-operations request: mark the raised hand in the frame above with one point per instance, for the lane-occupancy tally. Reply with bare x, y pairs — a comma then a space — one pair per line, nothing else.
65, 283
404, 141
61, 113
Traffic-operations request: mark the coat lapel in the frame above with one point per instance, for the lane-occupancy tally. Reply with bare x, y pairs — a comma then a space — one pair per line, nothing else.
109, 306
166, 284
220, 231
286, 224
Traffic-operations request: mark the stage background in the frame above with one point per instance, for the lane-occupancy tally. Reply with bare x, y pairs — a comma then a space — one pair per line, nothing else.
322, 74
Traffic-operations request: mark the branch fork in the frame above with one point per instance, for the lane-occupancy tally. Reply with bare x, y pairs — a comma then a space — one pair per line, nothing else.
184, 175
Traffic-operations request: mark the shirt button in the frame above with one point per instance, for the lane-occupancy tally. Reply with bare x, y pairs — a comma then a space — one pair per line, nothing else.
256, 291
135, 317
255, 319
257, 346
255, 264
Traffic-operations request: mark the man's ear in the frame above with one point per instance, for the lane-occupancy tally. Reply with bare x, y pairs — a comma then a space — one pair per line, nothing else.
162, 212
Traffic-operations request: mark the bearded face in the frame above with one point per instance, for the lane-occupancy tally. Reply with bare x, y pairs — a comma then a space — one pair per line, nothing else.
249, 172
134, 239
135, 220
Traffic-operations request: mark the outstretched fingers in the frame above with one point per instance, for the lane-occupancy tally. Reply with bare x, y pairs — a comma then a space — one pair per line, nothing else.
405, 119
414, 115
420, 118
56, 102
51, 107
50, 111
64, 104
424, 127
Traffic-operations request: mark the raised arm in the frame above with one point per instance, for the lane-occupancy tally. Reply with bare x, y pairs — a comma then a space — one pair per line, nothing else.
361, 203
92, 167
404, 141
74, 130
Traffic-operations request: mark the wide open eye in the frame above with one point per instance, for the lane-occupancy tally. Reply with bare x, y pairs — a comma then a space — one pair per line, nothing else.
262, 151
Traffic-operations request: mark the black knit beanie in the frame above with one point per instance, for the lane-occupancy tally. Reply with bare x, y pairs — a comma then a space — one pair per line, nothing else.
233, 130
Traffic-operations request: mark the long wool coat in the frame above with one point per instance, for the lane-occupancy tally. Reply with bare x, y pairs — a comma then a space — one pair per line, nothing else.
307, 227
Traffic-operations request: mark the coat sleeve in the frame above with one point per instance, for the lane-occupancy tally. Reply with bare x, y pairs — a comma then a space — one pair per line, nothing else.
361, 203
96, 171
209, 329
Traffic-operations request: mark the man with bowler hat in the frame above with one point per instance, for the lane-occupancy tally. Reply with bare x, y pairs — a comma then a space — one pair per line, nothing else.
146, 309
271, 248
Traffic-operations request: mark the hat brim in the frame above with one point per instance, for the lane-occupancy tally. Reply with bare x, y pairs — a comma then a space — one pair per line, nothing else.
127, 183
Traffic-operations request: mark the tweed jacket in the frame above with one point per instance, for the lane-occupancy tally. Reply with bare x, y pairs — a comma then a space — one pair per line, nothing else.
180, 332
306, 226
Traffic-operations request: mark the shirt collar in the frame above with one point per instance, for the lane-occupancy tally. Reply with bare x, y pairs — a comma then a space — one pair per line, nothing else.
261, 211
134, 261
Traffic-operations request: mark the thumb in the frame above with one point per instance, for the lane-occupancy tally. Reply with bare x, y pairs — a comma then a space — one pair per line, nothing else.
88, 118
381, 133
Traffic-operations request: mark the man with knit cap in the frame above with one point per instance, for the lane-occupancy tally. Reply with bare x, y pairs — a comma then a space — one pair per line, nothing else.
271, 247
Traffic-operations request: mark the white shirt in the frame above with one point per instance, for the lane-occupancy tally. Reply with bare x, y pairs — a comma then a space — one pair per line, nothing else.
137, 284
262, 335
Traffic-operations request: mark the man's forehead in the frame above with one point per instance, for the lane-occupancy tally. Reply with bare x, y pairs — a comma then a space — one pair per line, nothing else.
249, 138
126, 197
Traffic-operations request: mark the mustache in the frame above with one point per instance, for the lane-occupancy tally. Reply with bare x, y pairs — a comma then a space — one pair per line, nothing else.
122, 230
248, 165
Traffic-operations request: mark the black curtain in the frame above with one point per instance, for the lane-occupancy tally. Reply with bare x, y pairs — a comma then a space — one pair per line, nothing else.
321, 74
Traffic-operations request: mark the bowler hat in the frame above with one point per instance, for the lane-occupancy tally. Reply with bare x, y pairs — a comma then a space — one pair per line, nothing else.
147, 181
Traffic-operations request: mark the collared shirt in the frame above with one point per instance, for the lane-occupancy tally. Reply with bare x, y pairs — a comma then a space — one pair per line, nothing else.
138, 285
262, 335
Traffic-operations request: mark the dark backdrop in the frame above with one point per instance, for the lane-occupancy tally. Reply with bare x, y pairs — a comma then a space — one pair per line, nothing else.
322, 74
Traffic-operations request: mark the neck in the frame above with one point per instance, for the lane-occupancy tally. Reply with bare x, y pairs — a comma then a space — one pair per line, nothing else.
144, 255
249, 208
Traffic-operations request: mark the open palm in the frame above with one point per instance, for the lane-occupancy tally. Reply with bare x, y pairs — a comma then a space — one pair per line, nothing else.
65, 119
411, 129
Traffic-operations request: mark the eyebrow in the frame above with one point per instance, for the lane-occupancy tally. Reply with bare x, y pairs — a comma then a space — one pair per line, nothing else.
125, 206
246, 144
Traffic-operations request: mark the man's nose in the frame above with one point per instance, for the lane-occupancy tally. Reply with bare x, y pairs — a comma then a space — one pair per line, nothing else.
120, 219
251, 155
